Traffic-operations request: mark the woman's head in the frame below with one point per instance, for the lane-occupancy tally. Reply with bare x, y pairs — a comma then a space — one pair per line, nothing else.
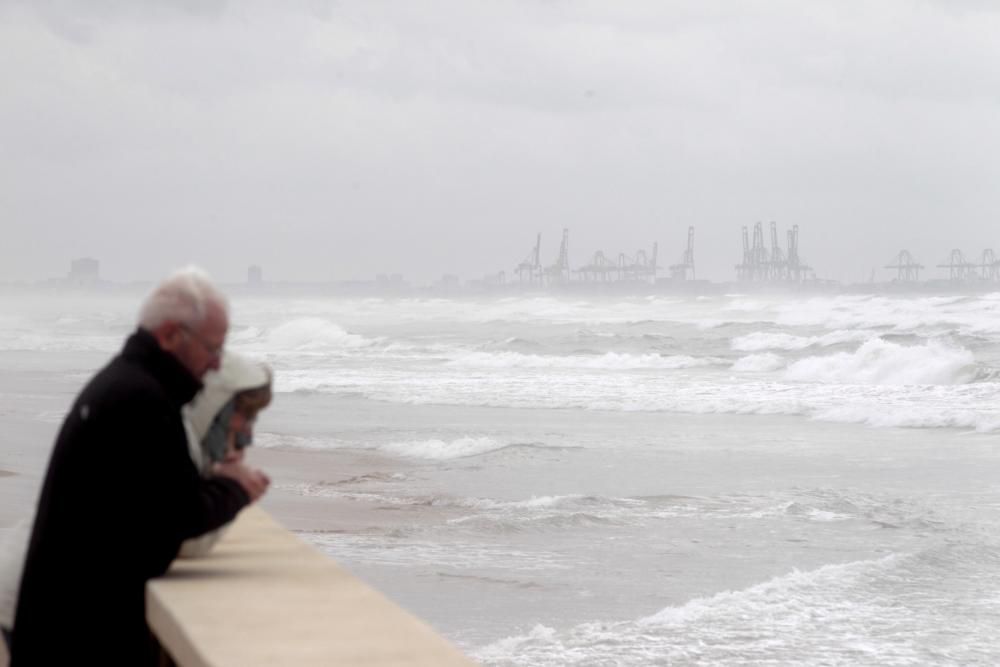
246, 405
223, 414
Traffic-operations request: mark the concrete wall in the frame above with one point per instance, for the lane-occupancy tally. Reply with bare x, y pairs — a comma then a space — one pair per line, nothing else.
265, 597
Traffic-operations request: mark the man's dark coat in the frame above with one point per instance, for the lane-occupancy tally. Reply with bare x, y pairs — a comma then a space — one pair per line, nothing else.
119, 497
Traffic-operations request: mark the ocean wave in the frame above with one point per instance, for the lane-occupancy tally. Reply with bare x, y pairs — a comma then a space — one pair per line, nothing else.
901, 314
777, 589
724, 325
441, 450
518, 342
837, 614
372, 477
609, 360
759, 363
777, 621
308, 334
268, 440
762, 340
61, 341
912, 416
556, 512
534, 502
970, 405
548, 522
881, 362
481, 515
880, 411
368, 550
430, 448
739, 304
239, 335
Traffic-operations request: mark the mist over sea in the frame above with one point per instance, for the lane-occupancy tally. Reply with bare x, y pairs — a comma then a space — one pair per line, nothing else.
732, 479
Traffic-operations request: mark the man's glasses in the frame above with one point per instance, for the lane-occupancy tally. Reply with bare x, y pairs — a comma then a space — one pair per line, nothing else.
214, 351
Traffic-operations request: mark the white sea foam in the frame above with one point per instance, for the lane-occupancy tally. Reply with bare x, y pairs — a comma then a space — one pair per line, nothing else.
336, 491
529, 508
901, 314
311, 334
958, 405
739, 304
550, 512
911, 416
881, 362
610, 361
55, 340
775, 590
239, 335
534, 502
763, 340
433, 449
759, 363
365, 551
443, 449
791, 619
275, 440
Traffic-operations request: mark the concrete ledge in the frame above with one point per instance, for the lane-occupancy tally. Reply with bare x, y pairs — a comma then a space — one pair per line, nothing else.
265, 597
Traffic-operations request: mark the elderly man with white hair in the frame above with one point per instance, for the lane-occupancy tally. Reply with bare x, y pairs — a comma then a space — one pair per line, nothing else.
121, 492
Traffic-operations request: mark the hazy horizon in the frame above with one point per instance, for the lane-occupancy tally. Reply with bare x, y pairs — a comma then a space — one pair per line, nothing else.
335, 141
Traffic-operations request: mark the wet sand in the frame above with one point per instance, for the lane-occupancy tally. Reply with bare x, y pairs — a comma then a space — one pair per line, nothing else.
294, 471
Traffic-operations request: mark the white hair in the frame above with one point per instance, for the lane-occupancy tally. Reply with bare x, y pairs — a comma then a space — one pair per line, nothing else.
183, 297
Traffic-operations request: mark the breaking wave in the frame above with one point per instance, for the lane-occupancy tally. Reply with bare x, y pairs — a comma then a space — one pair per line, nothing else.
838, 614
759, 363
837, 396
760, 340
881, 362
432, 448
609, 360
309, 334
909, 416
440, 450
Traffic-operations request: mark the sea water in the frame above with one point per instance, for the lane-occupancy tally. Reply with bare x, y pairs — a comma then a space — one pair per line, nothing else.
571, 480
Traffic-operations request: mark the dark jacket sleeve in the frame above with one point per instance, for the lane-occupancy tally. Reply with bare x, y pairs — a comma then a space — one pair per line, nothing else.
164, 499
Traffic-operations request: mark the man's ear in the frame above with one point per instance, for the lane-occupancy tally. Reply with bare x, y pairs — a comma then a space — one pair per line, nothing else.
169, 335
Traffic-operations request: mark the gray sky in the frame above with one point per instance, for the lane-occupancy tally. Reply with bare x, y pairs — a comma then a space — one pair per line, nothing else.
340, 139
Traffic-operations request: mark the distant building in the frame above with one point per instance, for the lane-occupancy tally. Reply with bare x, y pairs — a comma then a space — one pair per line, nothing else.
255, 275
84, 271
387, 281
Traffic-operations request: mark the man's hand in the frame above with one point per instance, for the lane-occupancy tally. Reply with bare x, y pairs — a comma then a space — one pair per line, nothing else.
253, 481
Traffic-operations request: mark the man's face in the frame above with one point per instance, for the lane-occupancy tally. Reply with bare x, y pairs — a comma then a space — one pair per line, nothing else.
199, 348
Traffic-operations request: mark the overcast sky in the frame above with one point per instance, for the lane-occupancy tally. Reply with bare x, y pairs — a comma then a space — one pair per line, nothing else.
333, 140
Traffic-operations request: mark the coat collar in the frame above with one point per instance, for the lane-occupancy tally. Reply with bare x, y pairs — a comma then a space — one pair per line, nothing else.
142, 348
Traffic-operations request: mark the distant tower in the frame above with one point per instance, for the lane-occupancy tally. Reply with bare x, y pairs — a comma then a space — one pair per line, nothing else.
959, 269
255, 276
907, 267
680, 270
532, 265
84, 271
559, 272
